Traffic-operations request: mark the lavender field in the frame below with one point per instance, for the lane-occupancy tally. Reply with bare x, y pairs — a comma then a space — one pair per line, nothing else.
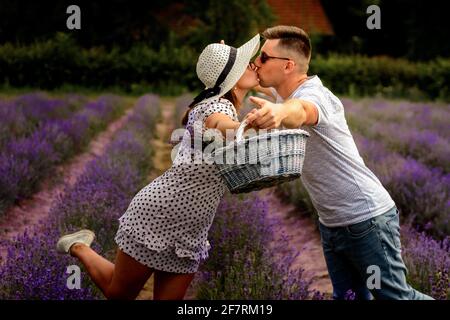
405, 144
32, 268
37, 133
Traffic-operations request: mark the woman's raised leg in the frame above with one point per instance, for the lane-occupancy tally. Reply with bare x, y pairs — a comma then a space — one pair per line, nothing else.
122, 280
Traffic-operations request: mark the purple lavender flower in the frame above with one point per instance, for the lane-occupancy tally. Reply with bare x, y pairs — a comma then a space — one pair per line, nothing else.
21, 116
419, 192
416, 130
242, 264
53, 142
350, 295
428, 262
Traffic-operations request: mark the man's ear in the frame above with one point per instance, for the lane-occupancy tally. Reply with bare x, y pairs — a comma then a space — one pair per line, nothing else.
290, 66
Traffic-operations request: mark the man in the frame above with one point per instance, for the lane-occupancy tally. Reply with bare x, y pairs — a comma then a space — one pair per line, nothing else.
358, 220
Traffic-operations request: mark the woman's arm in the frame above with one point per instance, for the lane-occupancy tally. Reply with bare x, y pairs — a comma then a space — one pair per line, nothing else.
223, 123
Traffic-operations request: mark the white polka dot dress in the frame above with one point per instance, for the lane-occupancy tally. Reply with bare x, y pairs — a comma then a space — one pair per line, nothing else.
166, 224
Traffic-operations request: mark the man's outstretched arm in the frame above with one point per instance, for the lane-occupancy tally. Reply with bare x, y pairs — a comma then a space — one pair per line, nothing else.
293, 113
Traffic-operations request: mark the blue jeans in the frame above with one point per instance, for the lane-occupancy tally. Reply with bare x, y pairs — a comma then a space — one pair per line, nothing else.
365, 257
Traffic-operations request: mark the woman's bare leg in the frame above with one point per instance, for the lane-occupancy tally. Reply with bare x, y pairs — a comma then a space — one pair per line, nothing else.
100, 269
171, 286
122, 280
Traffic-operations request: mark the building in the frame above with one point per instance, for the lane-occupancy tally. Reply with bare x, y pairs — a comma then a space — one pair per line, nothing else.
306, 14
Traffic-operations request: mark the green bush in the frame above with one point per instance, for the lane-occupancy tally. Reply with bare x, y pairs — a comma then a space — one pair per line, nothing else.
171, 70
58, 62
370, 76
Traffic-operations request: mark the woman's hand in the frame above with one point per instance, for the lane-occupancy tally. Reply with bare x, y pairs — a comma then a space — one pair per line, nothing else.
249, 125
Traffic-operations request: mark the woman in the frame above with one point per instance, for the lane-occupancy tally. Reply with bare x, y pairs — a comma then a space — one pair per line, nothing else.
164, 230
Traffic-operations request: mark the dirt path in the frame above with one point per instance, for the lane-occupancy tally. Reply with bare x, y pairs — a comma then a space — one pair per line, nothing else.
303, 236
161, 162
29, 212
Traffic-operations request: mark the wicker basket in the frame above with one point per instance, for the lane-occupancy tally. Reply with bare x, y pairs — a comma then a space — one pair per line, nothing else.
261, 161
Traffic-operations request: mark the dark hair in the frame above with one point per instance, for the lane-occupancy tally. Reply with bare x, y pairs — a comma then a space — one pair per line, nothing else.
230, 96
292, 38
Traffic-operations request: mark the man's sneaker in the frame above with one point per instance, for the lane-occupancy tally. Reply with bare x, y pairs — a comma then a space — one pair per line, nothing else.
83, 236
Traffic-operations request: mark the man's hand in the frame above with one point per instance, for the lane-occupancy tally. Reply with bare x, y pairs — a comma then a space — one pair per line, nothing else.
267, 115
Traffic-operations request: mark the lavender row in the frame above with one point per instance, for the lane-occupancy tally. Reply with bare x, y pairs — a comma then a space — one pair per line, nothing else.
26, 161
22, 115
428, 262
33, 269
421, 193
421, 116
414, 136
244, 263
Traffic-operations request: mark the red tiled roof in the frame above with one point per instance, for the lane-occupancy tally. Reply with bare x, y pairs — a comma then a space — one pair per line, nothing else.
306, 14
176, 18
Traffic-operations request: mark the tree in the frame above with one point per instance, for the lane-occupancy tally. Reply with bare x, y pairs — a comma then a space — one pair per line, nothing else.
125, 22
409, 28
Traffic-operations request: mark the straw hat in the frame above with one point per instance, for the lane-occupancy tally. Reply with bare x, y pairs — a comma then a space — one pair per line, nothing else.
220, 66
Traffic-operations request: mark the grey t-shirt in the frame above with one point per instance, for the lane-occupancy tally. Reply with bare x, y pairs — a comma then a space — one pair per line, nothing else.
342, 189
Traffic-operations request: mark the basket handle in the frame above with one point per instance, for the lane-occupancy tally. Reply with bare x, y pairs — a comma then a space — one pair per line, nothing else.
240, 130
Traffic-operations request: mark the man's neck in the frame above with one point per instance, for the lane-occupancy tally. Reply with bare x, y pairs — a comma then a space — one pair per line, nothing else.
290, 85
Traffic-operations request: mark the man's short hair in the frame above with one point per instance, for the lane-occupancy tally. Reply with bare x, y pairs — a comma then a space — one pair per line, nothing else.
291, 38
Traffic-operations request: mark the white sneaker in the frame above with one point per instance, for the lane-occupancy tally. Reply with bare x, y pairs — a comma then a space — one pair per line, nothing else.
83, 236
